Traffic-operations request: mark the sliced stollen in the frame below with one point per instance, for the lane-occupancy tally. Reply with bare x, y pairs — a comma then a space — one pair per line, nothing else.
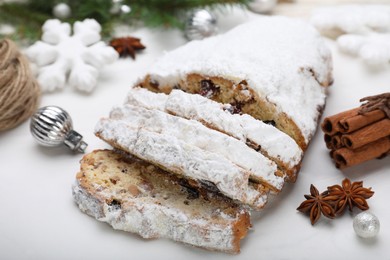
275, 75
273, 143
137, 197
261, 136
183, 159
261, 169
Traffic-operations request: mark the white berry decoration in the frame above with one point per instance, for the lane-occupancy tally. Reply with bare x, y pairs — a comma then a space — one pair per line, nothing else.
366, 225
74, 59
62, 11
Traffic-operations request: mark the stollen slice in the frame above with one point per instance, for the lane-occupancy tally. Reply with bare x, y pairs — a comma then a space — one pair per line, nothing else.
261, 169
135, 196
265, 138
176, 156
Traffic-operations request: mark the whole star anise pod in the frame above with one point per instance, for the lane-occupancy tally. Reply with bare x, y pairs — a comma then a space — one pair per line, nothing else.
381, 102
317, 203
351, 194
126, 46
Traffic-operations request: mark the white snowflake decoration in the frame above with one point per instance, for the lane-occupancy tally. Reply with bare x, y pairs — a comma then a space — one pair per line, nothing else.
356, 19
74, 59
373, 48
364, 29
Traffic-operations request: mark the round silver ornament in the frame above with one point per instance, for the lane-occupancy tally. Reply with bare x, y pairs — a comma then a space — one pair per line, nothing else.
262, 6
200, 24
62, 11
118, 7
366, 225
52, 126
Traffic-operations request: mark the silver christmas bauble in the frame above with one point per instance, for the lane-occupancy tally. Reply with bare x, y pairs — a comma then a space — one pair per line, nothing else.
366, 225
117, 7
62, 11
200, 24
262, 6
52, 126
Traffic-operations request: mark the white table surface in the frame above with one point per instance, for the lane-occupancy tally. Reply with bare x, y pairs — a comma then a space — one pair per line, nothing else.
39, 220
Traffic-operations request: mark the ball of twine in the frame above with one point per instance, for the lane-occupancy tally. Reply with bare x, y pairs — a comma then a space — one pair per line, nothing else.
19, 90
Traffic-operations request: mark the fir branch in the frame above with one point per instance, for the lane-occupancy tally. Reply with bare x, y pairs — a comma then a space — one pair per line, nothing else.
28, 17
27, 22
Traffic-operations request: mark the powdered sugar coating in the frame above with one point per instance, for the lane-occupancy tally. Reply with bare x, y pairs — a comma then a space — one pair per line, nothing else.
151, 220
147, 99
177, 156
86, 202
284, 60
244, 127
194, 133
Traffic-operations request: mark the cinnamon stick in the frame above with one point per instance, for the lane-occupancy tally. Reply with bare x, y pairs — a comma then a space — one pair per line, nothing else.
333, 142
336, 141
331, 124
328, 141
331, 154
345, 157
353, 123
367, 134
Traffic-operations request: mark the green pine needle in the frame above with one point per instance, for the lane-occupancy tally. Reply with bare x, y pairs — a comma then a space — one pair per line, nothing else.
28, 17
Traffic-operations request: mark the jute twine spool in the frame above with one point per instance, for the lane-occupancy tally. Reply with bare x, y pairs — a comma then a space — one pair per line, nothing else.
19, 91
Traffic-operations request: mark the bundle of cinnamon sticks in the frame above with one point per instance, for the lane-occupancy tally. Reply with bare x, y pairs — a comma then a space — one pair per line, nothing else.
360, 134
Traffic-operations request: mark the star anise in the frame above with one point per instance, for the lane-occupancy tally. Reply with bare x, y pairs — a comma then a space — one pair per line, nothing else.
317, 203
351, 194
126, 46
381, 102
